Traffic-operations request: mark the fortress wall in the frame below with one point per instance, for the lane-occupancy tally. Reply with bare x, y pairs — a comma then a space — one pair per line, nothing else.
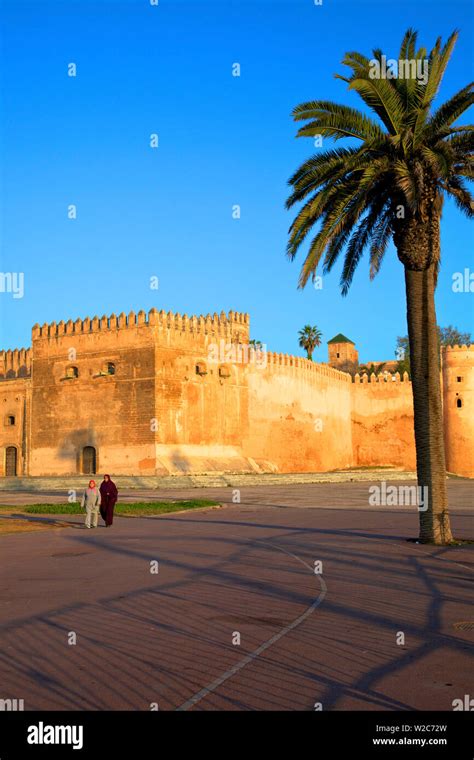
201, 399
154, 400
200, 409
14, 401
110, 412
299, 416
168, 328
201, 415
16, 363
215, 407
382, 422
173, 406
458, 385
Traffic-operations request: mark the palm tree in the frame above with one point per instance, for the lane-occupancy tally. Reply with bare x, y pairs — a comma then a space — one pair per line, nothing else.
390, 184
310, 338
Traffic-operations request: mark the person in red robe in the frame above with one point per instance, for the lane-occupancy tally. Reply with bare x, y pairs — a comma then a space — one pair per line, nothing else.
108, 498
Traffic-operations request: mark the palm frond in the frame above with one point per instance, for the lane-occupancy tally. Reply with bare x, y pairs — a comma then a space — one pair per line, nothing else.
335, 120
406, 157
451, 110
380, 240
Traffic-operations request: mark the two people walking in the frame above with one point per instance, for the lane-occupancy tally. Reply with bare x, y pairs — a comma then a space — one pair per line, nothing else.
103, 499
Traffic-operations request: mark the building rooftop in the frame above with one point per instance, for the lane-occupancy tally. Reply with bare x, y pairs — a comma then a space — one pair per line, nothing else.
340, 338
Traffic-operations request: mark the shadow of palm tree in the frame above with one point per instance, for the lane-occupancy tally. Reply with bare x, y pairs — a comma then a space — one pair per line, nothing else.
211, 583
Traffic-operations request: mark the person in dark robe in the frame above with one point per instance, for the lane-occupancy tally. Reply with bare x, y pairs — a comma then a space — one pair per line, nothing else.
108, 498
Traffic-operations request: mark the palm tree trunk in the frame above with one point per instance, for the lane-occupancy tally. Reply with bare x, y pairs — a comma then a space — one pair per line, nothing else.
427, 403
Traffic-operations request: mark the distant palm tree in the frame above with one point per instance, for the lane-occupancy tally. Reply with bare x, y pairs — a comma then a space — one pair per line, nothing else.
391, 184
310, 338
256, 344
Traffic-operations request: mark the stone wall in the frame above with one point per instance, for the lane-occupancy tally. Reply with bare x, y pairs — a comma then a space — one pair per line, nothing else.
458, 404
164, 403
299, 416
382, 422
110, 412
15, 386
158, 393
15, 403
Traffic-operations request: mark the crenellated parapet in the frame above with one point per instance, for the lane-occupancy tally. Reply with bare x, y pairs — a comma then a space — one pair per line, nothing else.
15, 363
381, 379
220, 325
464, 347
276, 360
452, 356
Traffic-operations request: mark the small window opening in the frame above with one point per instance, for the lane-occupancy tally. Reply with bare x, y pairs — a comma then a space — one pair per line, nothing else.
72, 372
459, 403
11, 419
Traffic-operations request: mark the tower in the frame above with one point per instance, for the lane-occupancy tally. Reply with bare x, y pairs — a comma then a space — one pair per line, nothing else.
458, 405
342, 353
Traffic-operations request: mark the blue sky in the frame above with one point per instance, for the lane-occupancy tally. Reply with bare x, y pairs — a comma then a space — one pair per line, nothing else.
223, 140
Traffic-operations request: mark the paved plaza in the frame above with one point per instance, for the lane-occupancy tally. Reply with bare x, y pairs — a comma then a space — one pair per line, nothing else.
298, 596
